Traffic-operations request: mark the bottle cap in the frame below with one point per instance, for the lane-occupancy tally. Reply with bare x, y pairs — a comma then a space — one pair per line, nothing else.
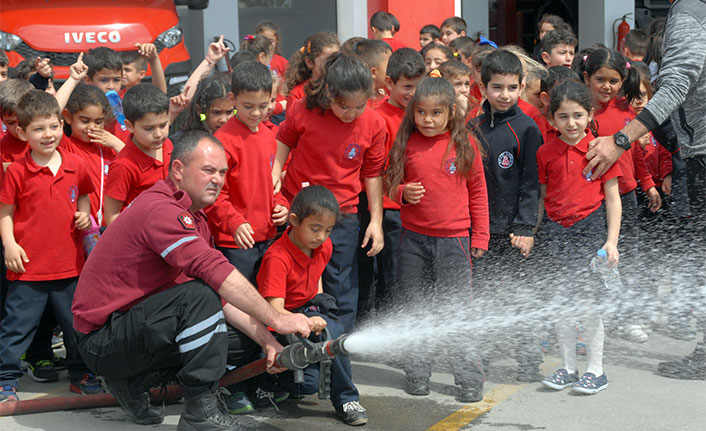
601, 253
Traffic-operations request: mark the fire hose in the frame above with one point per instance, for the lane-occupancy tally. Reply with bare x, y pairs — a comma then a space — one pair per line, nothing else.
295, 357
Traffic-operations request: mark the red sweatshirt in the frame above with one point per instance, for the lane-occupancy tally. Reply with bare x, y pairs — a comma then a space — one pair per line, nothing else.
534, 113
393, 118
452, 203
394, 43
658, 160
12, 148
295, 94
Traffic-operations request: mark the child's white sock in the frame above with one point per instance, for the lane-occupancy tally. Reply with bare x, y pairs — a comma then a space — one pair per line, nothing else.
566, 335
594, 344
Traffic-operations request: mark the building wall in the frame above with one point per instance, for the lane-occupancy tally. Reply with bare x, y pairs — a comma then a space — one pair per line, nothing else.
413, 15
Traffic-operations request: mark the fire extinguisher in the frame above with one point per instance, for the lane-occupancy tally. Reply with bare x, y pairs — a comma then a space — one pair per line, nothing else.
623, 30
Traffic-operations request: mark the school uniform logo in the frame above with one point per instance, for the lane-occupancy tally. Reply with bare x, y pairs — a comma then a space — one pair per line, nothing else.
187, 221
506, 160
105, 169
352, 151
73, 194
450, 166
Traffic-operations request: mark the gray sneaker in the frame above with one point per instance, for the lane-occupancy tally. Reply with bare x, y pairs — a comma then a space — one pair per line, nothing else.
352, 413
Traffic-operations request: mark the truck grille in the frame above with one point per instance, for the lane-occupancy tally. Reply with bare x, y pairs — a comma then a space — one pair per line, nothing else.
58, 58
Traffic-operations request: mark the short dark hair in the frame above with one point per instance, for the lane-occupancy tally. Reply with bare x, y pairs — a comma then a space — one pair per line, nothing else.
405, 62
36, 104
11, 91
250, 76
240, 57
480, 53
456, 23
347, 46
129, 57
501, 62
371, 51
4, 61
463, 45
555, 20
314, 200
143, 99
555, 75
431, 29
185, 146
395, 22
562, 35
452, 68
102, 58
381, 20
636, 41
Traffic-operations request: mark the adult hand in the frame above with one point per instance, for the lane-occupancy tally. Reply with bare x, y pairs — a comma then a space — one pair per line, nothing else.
271, 350
293, 323
602, 153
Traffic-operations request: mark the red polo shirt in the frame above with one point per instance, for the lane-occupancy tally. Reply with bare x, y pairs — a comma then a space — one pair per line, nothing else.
120, 131
132, 172
570, 197
279, 65
97, 159
393, 118
394, 43
45, 205
156, 243
331, 153
295, 94
247, 194
287, 272
610, 119
12, 149
657, 159
535, 114
451, 205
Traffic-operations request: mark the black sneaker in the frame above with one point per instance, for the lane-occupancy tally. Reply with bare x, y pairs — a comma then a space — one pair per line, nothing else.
207, 412
134, 397
470, 393
417, 386
691, 367
43, 371
352, 413
264, 399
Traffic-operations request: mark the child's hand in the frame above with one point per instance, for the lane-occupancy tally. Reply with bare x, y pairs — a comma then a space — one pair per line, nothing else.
374, 233
667, 185
83, 220
179, 102
103, 137
78, 70
413, 193
276, 183
319, 324
477, 252
524, 243
243, 236
644, 140
216, 51
147, 50
42, 66
655, 200
612, 252
279, 217
15, 258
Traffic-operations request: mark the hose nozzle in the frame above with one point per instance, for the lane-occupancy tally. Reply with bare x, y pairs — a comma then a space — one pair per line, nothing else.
300, 355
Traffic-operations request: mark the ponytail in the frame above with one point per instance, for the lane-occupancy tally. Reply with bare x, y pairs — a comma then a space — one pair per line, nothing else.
592, 59
257, 45
343, 74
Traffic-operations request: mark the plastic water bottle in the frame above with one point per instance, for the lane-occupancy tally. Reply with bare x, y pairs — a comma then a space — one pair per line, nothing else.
609, 275
117, 105
90, 237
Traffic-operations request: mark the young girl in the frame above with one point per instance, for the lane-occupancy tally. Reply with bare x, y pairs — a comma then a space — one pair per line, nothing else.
85, 116
261, 47
434, 159
335, 143
290, 280
209, 109
608, 74
306, 64
434, 54
579, 223
271, 31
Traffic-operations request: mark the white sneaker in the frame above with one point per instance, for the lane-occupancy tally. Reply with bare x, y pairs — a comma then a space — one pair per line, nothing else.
635, 333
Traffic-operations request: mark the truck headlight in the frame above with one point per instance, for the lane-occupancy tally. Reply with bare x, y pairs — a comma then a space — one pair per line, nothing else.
9, 41
169, 38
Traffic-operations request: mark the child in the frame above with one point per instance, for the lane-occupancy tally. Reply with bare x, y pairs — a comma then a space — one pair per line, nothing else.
261, 47
433, 158
11, 146
291, 281
145, 158
335, 142
428, 34
246, 214
44, 205
375, 54
383, 28
463, 46
578, 222
476, 97
307, 63
459, 75
452, 28
510, 139
635, 44
135, 67
105, 71
546, 24
4, 64
269, 112
210, 108
270, 30
559, 47
434, 54
530, 65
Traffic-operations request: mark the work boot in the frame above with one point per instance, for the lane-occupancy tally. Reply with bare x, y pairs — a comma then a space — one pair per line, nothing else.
207, 412
134, 397
691, 367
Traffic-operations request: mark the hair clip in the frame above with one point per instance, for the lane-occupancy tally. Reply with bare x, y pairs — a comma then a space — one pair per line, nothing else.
308, 47
484, 41
585, 57
435, 73
249, 37
456, 54
202, 117
627, 65
235, 111
301, 50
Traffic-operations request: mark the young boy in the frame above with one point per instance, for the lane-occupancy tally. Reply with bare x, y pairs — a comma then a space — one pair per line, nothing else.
135, 67
405, 69
11, 146
382, 26
375, 54
476, 97
44, 205
510, 139
428, 34
636, 44
105, 71
463, 46
459, 75
145, 158
452, 28
559, 47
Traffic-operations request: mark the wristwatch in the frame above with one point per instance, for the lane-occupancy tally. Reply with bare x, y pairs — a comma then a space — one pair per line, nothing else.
622, 141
